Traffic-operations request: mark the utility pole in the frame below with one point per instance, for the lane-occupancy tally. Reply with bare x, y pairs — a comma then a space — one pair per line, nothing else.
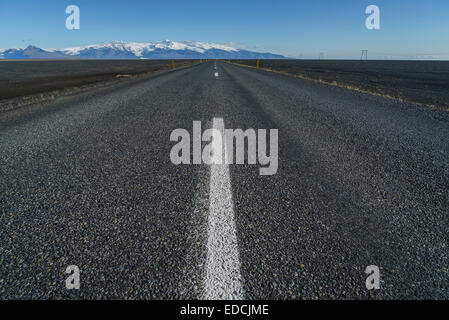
364, 56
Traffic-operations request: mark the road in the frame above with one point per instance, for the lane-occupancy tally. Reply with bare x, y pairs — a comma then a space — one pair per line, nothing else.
88, 181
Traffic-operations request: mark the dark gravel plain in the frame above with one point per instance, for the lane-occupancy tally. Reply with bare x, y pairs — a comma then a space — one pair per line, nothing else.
26, 77
424, 82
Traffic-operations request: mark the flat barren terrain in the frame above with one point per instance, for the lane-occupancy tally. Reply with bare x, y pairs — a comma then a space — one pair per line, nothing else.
27, 77
423, 82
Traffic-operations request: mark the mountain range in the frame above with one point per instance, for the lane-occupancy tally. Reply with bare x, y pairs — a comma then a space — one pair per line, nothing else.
139, 50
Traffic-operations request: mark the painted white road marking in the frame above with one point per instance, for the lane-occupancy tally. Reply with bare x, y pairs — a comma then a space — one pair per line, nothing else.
223, 280
216, 74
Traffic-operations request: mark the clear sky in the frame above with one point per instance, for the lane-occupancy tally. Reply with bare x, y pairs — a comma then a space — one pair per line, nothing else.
300, 28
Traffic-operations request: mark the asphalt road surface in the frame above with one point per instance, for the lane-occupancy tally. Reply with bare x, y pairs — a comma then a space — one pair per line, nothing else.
88, 181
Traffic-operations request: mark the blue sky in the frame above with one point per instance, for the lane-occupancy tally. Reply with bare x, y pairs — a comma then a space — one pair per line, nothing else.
409, 29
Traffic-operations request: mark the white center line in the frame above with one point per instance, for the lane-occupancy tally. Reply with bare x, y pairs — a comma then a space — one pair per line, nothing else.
223, 280
216, 74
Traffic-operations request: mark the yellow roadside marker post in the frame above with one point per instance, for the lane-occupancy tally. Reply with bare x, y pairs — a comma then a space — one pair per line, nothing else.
172, 63
257, 63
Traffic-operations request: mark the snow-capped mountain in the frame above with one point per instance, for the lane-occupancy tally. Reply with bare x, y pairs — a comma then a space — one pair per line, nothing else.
137, 50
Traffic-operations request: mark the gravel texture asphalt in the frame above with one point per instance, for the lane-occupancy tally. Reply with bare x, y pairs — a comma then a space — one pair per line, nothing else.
88, 181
